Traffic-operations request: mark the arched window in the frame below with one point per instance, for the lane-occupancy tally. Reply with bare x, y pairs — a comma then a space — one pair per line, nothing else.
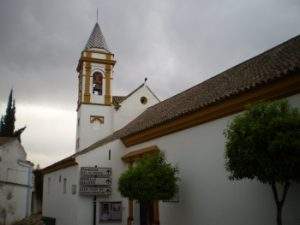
97, 83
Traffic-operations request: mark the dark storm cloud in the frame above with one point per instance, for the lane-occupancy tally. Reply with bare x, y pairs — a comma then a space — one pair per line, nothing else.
172, 43
176, 44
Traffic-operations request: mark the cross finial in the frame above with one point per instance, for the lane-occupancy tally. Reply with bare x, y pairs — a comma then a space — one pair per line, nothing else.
97, 15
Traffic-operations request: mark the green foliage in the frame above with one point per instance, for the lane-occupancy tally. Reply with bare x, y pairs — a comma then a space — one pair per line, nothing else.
7, 122
152, 178
264, 143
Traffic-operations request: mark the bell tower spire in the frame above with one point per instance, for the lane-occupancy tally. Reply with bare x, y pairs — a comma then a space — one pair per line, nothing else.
95, 74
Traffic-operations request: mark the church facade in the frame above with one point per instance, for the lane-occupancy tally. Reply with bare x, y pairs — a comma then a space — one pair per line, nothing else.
114, 131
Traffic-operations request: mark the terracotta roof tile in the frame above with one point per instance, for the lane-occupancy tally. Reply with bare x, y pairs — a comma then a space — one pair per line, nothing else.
264, 68
273, 64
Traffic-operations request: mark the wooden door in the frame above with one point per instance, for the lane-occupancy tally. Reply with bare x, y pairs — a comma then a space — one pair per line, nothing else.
146, 213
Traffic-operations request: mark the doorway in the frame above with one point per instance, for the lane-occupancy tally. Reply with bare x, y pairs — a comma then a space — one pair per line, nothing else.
146, 213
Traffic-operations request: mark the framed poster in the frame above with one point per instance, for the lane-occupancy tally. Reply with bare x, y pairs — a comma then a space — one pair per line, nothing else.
110, 212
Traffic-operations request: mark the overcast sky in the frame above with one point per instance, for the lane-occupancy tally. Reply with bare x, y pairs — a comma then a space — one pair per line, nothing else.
175, 43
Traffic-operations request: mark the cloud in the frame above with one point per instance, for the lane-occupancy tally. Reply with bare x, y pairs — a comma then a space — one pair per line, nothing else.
49, 134
175, 45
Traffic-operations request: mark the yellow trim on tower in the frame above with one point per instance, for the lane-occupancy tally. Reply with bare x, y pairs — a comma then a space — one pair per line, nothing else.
85, 66
87, 76
108, 71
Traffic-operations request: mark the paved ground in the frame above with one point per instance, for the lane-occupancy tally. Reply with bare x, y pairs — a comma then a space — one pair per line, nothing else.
35, 219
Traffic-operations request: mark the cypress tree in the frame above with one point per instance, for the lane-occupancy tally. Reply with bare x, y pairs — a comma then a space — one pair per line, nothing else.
1, 125
7, 123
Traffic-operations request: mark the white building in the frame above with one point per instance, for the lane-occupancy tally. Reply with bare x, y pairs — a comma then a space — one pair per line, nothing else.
15, 181
113, 131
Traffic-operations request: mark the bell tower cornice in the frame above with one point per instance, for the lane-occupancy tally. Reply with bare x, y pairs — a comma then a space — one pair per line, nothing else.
95, 56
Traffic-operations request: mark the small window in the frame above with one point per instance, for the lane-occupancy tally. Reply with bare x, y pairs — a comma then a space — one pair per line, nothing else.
97, 83
109, 154
96, 121
74, 187
59, 180
77, 143
65, 186
49, 184
78, 122
9, 195
143, 100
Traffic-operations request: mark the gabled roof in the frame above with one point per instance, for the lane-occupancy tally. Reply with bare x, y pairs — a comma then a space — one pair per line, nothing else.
116, 100
71, 160
64, 163
265, 68
96, 39
275, 64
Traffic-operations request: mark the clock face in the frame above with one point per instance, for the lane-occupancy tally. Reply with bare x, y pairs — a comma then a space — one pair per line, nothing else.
97, 83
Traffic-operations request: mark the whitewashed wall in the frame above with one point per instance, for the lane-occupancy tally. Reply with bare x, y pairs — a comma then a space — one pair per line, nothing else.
70, 209
89, 133
100, 157
132, 107
206, 195
57, 204
15, 182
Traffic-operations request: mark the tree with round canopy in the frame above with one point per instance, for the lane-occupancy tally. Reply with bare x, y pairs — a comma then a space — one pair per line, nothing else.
263, 143
152, 178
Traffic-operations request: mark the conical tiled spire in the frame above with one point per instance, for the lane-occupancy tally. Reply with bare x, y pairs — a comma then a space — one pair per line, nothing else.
96, 39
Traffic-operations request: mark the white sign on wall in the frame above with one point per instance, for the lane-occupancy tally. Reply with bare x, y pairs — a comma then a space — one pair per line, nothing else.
95, 181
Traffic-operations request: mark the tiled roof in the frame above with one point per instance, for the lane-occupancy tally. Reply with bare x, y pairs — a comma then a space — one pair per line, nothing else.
66, 162
96, 39
264, 68
4, 140
269, 66
71, 160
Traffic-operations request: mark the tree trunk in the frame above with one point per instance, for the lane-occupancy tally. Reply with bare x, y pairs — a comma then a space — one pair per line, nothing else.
279, 202
279, 215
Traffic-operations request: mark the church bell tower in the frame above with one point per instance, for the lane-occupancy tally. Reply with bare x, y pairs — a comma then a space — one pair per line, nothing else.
95, 74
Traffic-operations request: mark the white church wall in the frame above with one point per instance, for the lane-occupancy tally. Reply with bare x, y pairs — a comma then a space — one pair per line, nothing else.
89, 132
206, 196
59, 202
15, 182
100, 157
132, 107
